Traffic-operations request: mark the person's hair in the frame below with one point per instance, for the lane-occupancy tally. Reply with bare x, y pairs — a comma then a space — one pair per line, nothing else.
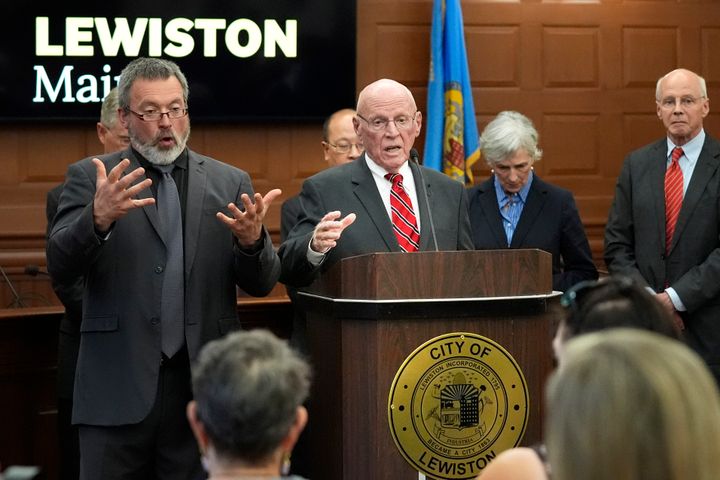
329, 119
658, 85
148, 69
108, 111
614, 301
505, 135
248, 387
632, 404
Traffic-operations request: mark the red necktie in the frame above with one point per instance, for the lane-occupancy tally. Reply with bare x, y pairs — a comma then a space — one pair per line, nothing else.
673, 196
403, 216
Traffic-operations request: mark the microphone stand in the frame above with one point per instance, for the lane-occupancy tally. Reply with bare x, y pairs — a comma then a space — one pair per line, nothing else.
17, 302
416, 158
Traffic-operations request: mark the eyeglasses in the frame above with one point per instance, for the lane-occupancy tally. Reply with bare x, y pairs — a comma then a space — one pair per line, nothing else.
173, 113
573, 296
403, 122
668, 103
346, 147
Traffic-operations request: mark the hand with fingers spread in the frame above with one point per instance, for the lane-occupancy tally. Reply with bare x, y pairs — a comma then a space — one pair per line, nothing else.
247, 224
329, 229
114, 193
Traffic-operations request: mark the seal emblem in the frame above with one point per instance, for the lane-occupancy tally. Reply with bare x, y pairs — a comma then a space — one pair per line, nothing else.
456, 402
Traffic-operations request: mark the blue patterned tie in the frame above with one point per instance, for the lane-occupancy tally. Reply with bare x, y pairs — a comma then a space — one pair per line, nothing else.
172, 306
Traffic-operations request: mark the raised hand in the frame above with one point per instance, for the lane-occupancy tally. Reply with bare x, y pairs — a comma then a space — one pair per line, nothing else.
329, 229
247, 225
114, 193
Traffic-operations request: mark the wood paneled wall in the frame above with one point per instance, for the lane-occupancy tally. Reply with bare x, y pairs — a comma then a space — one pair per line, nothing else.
584, 71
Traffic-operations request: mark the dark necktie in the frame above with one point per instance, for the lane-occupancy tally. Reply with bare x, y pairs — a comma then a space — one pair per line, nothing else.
172, 306
673, 196
403, 216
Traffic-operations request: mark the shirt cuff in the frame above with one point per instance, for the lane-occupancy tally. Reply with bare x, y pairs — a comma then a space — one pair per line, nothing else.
675, 299
315, 258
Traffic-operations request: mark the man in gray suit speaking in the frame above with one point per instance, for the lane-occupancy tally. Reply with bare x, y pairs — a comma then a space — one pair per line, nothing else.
162, 236
664, 224
376, 203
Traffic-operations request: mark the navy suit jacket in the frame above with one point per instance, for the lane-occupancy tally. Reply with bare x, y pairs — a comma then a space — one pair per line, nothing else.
549, 221
350, 188
635, 239
119, 361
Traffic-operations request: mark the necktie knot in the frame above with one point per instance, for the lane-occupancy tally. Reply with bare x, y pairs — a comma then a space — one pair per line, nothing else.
164, 169
677, 153
394, 178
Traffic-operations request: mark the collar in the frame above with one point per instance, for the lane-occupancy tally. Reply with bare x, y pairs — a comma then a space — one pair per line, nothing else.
379, 171
691, 149
503, 197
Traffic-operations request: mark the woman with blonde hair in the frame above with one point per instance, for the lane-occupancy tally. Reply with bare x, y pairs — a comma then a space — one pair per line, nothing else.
633, 405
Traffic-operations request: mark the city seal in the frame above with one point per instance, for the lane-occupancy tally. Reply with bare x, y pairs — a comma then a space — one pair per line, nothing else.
456, 402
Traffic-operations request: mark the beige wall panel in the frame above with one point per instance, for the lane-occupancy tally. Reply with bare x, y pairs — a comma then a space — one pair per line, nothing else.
648, 53
570, 57
570, 145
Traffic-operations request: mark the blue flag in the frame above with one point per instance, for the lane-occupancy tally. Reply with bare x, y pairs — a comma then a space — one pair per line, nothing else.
451, 140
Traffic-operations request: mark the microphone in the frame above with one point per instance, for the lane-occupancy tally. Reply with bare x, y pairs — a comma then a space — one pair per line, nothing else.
416, 158
17, 302
34, 271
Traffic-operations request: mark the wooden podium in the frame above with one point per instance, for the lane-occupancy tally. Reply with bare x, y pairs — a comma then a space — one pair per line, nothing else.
366, 314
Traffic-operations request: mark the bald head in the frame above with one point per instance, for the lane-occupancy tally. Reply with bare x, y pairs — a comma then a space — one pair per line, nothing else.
384, 88
387, 122
689, 75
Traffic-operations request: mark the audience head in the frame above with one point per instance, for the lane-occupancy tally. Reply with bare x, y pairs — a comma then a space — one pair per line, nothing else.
387, 122
248, 412
340, 141
509, 144
111, 133
153, 96
682, 104
631, 404
614, 301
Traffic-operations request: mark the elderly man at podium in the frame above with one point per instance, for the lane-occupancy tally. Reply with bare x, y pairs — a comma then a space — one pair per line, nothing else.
381, 202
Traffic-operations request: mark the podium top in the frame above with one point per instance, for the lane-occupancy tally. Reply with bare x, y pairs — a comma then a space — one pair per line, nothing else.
446, 274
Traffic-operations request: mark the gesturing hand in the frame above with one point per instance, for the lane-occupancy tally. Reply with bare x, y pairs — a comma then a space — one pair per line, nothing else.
329, 229
247, 225
114, 193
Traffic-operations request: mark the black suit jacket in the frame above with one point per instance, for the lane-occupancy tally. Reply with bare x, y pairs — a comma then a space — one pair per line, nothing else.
635, 238
70, 294
350, 188
289, 216
119, 361
549, 221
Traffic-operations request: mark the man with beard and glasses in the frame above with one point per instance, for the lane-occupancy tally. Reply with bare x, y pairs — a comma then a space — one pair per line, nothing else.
161, 254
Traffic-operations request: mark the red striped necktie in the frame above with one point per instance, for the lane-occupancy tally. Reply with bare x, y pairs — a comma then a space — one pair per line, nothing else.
673, 196
403, 216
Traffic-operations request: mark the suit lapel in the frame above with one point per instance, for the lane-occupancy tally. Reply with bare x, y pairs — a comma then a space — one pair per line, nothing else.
534, 204
491, 210
654, 180
197, 181
366, 191
150, 210
426, 235
705, 168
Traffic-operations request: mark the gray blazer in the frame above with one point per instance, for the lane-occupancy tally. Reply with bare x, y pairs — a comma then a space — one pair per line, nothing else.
635, 238
351, 188
119, 359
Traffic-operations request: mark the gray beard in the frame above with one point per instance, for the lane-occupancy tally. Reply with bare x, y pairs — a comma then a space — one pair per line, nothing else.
160, 157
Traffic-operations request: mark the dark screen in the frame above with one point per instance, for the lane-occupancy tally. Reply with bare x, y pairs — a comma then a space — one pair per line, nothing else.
307, 81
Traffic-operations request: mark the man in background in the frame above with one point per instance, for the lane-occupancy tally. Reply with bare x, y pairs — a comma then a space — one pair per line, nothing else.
663, 225
340, 145
114, 137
